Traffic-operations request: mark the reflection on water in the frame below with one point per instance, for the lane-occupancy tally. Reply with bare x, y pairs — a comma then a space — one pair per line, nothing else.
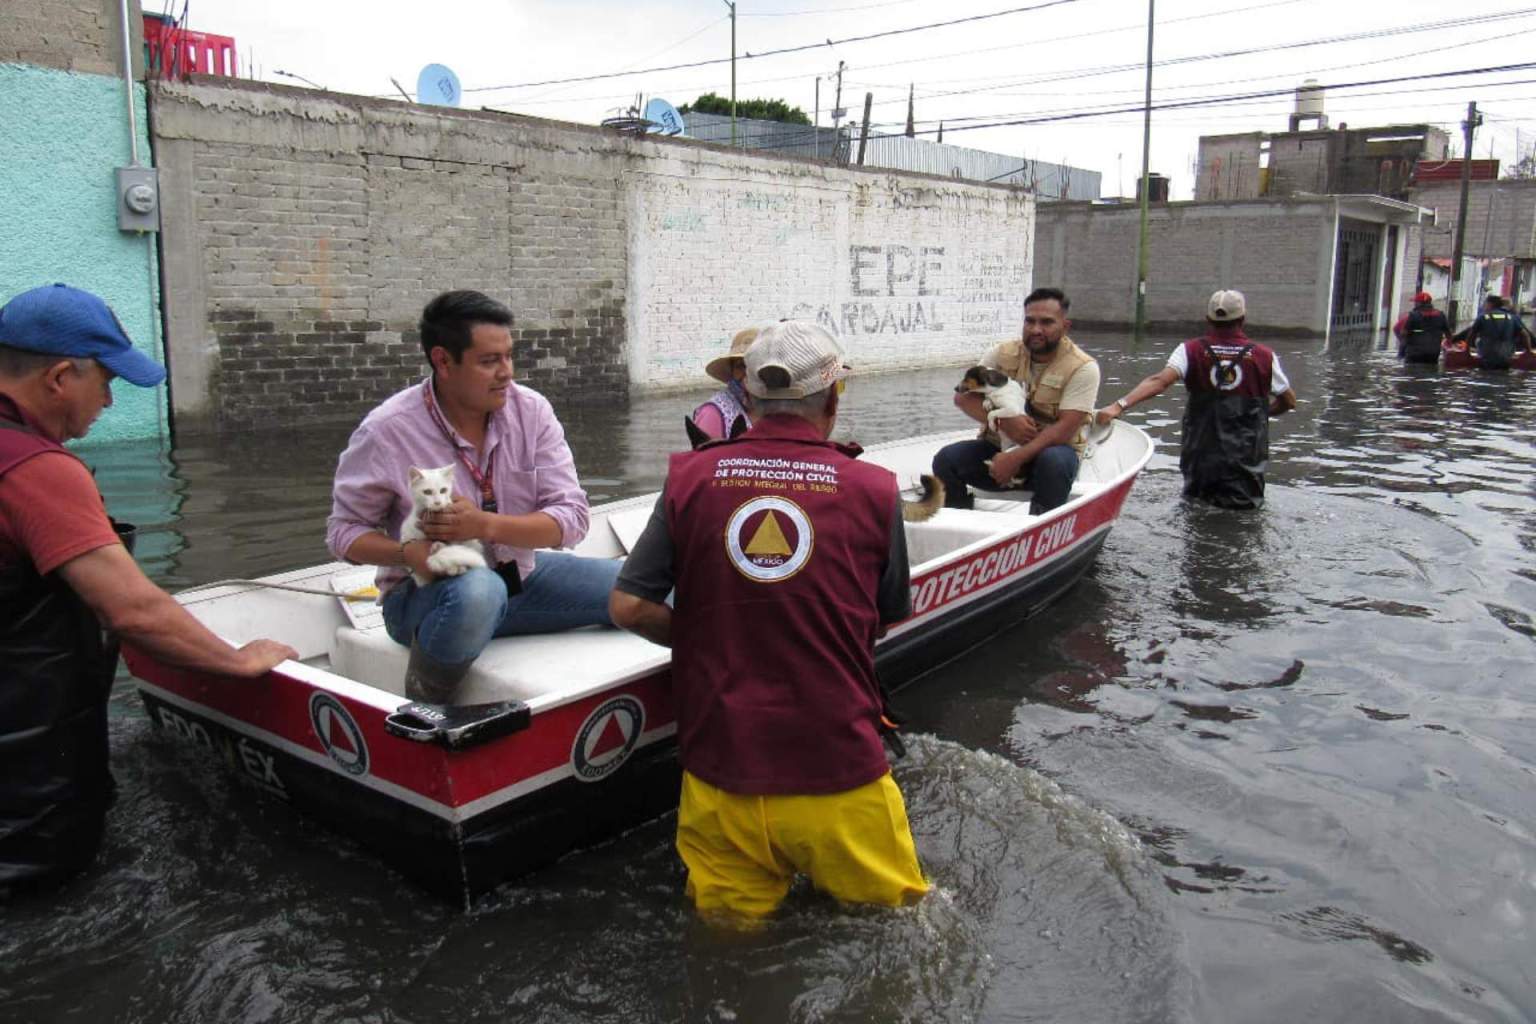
1255, 766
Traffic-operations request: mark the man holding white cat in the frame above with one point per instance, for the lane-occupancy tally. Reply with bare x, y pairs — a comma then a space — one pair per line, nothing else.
509, 455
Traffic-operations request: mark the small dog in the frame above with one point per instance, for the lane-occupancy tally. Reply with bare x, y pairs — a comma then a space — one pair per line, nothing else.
1001, 397
432, 491
927, 506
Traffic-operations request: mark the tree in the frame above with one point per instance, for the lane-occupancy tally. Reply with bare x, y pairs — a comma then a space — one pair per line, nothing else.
1522, 169
758, 109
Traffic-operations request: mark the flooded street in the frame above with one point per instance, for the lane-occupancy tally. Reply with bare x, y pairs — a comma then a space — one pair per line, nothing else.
1269, 766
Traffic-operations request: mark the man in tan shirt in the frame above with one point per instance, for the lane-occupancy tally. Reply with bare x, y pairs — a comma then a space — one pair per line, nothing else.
1062, 383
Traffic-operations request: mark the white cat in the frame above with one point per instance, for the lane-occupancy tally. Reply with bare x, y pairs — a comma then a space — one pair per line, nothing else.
432, 491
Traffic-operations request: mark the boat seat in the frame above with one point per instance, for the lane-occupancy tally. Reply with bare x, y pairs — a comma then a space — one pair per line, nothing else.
953, 529
510, 668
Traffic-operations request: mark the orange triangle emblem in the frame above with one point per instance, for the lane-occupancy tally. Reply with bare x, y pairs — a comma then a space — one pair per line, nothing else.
769, 539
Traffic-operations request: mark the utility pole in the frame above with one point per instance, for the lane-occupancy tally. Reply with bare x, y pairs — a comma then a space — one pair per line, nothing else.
1146, 185
816, 121
731, 4
1467, 127
869, 99
838, 113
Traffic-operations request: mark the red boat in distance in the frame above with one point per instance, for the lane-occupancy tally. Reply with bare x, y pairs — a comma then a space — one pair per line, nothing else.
1460, 356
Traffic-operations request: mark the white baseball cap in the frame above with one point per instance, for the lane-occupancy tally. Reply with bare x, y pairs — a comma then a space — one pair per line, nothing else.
1226, 305
803, 357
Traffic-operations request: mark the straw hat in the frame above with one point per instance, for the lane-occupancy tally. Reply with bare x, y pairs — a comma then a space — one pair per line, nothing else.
720, 366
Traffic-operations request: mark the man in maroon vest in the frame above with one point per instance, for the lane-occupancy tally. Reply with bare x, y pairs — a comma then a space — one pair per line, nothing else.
786, 559
1235, 385
66, 574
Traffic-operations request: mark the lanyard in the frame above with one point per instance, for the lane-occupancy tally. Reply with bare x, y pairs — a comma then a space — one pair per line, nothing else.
485, 481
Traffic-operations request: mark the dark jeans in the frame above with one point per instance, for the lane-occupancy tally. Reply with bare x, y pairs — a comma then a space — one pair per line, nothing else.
963, 463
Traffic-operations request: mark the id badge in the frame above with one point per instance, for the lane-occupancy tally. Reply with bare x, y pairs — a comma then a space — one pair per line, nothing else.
512, 576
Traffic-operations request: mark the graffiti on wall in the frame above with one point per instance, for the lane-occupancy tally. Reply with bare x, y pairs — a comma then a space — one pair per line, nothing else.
894, 288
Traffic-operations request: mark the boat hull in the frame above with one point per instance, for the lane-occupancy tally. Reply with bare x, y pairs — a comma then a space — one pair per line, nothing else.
1463, 358
460, 821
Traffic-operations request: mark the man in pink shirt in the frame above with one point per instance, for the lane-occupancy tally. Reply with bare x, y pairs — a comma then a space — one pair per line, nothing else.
515, 491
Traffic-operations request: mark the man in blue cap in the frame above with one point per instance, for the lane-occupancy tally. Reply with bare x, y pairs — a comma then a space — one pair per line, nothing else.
69, 588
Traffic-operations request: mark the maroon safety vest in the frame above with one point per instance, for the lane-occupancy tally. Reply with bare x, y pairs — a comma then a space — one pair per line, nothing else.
1224, 447
780, 540
1250, 365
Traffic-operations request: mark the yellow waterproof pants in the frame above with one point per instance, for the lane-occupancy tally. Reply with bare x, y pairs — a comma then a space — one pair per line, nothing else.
742, 852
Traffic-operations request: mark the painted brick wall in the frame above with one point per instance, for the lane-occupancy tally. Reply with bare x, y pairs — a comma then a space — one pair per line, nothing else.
305, 230
906, 271
1277, 254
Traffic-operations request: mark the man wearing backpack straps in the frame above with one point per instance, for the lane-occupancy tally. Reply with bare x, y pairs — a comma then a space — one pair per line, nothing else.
1235, 385
1421, 331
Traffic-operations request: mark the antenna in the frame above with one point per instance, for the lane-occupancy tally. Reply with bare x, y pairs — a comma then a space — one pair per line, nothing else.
438, 86
664, 118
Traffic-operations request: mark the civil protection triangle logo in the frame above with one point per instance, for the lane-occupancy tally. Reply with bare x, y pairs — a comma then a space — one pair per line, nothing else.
338, 733
769, 539
607, 738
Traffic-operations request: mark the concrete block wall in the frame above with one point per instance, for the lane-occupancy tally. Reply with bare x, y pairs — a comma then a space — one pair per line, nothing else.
305, 230
64, 127
70, 35
1501, 218
1301, 162
1278, 254
1229, 167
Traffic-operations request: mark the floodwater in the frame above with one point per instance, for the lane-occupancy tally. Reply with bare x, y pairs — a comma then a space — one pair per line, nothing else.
1269, 766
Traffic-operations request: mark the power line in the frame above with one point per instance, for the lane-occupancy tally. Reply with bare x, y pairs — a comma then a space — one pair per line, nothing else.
1433, 26
1219, 100
786, 49
825, 10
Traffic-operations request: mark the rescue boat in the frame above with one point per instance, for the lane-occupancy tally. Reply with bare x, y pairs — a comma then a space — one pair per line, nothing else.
1464, 357
568, 739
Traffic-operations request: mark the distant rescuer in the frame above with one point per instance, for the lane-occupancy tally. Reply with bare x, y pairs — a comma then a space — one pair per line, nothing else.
1235, 385
1062, 382
69, 588
1495, 334
788, 560
1421, 331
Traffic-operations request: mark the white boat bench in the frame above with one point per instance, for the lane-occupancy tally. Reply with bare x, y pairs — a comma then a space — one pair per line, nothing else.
545, 668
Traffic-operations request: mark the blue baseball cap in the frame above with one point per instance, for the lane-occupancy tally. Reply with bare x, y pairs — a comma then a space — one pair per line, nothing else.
63, 321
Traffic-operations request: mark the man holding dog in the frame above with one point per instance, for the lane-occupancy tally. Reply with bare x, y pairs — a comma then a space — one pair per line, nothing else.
786, 559
69, 587
1062, 382
510, 455
1235, 385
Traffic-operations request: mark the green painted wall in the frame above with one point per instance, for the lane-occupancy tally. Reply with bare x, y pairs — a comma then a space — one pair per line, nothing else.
64, 135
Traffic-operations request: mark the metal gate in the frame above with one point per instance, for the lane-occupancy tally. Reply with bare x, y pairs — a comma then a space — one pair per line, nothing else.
1354, 282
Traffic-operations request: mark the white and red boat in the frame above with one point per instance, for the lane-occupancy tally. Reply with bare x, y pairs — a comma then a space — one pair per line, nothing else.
567, 739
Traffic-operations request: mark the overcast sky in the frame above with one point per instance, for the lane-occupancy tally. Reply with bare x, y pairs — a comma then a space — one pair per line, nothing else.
1064, 57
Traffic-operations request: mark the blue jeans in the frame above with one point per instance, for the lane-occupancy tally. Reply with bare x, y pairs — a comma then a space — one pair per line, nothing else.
963, 464
453, 618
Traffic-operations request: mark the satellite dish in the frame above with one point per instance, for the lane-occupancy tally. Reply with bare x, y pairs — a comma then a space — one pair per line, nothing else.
664, 117
438, 86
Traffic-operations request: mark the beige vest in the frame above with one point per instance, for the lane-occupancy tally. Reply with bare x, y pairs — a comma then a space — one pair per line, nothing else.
1044, 383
